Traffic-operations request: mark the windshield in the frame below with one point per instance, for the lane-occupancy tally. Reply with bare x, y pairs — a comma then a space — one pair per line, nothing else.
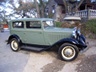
48, 24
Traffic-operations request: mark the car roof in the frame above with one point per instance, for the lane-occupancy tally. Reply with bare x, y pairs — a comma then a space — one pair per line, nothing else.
32, 19
72, 18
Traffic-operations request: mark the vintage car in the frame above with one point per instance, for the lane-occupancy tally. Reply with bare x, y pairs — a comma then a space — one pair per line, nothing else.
40, 34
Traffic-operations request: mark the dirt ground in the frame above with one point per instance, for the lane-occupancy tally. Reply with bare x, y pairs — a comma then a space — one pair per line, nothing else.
88, 63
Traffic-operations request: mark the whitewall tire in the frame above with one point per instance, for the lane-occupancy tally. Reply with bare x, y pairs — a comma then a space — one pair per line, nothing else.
14, 44
68, 52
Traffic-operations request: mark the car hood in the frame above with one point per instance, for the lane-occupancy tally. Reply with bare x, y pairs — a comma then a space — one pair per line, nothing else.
56, 29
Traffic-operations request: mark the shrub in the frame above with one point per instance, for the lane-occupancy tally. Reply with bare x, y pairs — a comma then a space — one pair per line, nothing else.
91, 26
58, 24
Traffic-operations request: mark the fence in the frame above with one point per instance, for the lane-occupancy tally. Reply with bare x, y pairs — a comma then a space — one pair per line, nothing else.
87, 14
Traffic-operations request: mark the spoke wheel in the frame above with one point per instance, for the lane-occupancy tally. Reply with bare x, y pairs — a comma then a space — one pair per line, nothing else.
68, 52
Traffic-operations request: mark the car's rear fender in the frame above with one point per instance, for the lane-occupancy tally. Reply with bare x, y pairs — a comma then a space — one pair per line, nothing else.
13, 36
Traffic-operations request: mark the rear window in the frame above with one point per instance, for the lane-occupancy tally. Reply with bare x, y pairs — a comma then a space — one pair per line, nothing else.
33, 24
18, 24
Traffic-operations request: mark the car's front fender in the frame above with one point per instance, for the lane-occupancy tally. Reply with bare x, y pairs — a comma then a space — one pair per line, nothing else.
67, 40
70, 40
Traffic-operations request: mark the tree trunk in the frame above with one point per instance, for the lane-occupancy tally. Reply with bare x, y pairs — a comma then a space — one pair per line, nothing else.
58, 13
42, 9
66, 7
37, 8
81, 1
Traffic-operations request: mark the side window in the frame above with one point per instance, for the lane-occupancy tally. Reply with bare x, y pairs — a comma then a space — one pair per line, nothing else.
33, 24
18, 24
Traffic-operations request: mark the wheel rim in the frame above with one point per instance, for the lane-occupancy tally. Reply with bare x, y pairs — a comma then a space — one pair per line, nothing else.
68, 52
14, 45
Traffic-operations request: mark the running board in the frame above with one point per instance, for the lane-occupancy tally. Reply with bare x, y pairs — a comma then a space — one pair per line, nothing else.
38, 49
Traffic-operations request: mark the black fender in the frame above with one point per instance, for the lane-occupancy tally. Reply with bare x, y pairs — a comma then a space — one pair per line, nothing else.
67, 40
82, 37
82, 41
13, 36
71, 41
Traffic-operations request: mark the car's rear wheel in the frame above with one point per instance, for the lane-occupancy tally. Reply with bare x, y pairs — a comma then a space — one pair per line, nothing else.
68, 52
14, 44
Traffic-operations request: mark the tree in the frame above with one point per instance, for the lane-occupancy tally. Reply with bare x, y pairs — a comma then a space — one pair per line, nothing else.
40, 7
3, 11
81, 1
17, 9
2, 1
2, 15
37, 8
24, 9
65, 4
72, 5
29, 8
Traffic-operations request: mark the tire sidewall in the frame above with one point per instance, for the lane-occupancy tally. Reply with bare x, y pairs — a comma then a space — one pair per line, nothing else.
14, 39
63, 46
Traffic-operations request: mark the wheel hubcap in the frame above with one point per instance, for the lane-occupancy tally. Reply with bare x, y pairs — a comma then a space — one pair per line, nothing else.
68, 52
14, 45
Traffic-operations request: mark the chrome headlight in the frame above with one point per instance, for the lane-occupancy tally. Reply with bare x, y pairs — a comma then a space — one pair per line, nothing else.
74, 34
79, 33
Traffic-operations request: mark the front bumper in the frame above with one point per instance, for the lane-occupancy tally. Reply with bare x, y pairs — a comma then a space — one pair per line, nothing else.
84, 50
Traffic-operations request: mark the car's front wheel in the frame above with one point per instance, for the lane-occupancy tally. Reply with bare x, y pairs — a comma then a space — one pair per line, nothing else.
68, 52
14, 44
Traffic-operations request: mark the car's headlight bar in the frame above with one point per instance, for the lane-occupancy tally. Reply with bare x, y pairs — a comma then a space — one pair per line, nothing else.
76, 32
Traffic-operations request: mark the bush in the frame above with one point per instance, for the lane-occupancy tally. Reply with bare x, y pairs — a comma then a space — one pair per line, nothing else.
91, 26
58, 24
66, 24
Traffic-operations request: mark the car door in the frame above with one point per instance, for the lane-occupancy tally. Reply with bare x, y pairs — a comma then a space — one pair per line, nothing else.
34, 33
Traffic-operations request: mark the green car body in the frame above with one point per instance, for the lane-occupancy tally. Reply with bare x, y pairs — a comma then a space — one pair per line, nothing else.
26, 32
39, 36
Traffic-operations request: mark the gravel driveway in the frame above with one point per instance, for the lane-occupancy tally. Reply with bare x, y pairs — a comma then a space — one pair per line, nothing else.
46, 61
